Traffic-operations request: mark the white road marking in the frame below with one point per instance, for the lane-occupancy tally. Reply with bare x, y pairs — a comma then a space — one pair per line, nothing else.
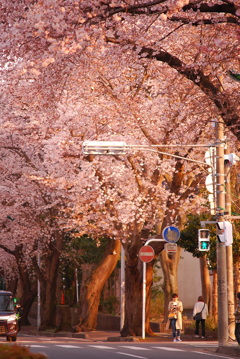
213, 355
205, 345
170, 349
37, 346
133, 347
132, 355
101, 347
68, 346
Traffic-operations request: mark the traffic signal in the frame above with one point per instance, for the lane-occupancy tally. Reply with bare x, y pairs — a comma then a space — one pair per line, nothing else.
203, 240
230, 159
224, 233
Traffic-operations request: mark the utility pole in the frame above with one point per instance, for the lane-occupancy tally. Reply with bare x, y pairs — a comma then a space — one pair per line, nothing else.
221, 249
229, 251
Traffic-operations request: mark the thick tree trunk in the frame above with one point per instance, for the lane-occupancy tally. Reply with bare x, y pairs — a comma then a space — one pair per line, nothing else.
49, 285
29, 290
206, 282
48, 308
133, 297
133, 292
91, 289
29, 293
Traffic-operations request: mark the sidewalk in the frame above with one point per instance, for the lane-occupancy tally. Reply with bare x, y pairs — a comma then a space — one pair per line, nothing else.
232, 349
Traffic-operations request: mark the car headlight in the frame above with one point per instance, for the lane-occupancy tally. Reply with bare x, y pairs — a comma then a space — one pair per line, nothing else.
11, 318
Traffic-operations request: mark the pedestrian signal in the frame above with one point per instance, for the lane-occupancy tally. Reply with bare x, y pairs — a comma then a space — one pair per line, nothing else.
203, 240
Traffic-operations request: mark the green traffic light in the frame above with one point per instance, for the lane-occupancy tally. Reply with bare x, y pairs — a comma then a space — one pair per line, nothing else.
204, 245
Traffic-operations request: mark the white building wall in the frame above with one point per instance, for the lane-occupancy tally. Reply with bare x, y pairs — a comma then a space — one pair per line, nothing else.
189, 279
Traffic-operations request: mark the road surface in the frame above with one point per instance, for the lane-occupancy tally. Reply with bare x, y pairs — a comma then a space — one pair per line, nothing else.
74, 348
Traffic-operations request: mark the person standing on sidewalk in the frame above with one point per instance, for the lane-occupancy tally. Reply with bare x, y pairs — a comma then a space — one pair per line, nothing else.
175, 308
237, 319
202, 307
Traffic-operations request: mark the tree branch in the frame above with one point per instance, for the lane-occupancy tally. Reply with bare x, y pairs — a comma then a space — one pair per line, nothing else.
6, 249
225, 9
226, 109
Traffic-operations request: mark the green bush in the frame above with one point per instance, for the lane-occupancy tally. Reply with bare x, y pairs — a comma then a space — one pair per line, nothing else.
109, 305
157, 307
17, 352
211, 324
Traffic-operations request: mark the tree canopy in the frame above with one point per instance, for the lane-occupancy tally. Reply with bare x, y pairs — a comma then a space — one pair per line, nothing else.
147, 73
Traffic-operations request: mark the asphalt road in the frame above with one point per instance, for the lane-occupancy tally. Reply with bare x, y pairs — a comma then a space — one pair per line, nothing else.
73, 348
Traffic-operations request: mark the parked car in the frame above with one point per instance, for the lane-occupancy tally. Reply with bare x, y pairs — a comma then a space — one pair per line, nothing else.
8, 317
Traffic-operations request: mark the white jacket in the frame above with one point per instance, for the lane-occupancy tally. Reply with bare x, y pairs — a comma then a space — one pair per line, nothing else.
198, 307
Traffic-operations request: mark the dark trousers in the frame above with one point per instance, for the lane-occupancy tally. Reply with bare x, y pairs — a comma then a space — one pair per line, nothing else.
175, 332
202, 321
237, 332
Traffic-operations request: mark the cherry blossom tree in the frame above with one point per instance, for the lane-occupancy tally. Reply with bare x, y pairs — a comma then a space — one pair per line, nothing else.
147, 73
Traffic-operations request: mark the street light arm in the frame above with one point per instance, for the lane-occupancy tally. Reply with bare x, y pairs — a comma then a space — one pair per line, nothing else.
176, 156
121, 148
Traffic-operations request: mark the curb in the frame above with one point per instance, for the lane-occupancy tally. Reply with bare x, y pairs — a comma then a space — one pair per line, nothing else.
228, 349
122, 339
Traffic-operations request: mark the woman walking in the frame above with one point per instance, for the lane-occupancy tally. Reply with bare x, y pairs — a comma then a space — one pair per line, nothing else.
175, 309
200, 307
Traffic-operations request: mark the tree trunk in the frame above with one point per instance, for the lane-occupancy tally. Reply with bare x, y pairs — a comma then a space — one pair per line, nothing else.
215, 297
149, 282
91, 289
49, 285
133, 290
169, 264
206, 282
237, 274
29, 291
133, 297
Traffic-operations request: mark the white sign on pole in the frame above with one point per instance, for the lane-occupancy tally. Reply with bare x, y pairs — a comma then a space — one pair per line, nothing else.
170, 247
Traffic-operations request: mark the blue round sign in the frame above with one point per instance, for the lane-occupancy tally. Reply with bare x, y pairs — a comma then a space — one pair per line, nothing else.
171, 234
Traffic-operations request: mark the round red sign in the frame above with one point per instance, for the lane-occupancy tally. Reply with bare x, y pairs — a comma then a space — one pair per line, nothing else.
146, 254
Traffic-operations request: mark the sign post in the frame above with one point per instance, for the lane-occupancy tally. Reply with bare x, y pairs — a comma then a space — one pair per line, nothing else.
146, 254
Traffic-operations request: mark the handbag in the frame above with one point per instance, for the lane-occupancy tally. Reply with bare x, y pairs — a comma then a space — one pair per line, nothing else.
198, 316
172, 316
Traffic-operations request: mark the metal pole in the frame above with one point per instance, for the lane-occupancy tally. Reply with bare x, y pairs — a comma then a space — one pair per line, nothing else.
229, 251
38, 295
221, 249
213, 151
77, 285
144, 300
122, 317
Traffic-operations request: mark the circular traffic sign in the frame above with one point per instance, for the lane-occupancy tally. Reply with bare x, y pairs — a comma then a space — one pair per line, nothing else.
146, 254
171, 234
